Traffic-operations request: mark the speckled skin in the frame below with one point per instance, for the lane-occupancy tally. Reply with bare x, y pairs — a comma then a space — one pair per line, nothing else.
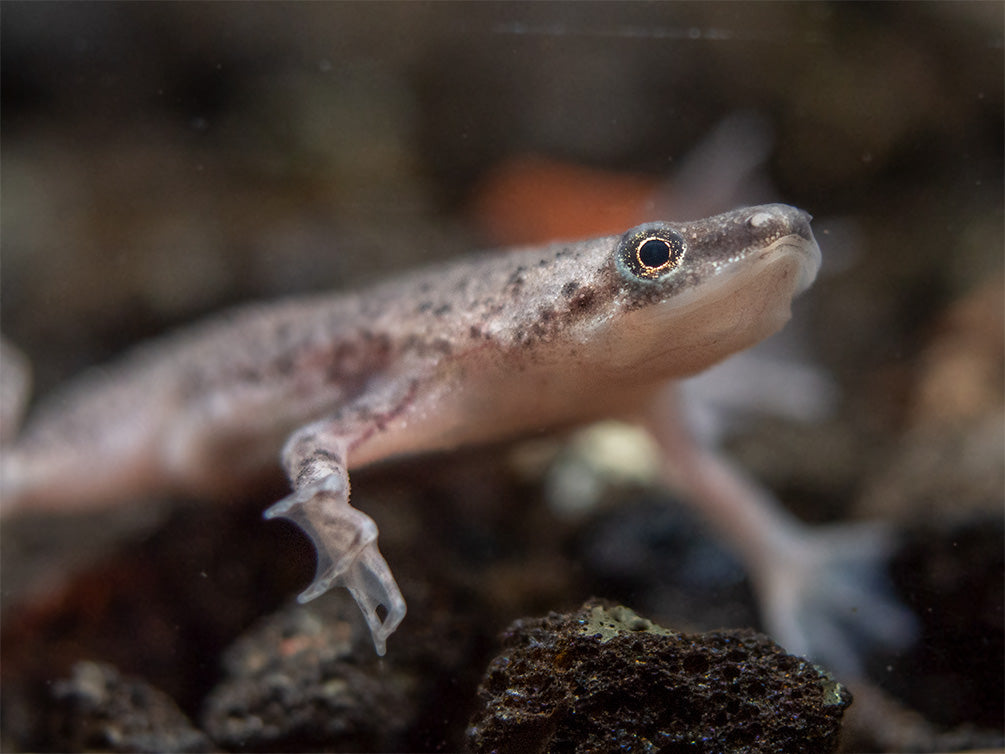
487, 347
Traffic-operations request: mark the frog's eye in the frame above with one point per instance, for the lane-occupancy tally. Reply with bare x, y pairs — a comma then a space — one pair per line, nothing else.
650, 252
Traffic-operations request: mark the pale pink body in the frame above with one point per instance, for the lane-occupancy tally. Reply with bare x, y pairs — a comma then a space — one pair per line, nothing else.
487, 348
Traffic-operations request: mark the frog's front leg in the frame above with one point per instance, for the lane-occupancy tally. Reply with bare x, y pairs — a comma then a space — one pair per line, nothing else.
345, 539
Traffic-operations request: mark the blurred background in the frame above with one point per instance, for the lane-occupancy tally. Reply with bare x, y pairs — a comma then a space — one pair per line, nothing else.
161, 161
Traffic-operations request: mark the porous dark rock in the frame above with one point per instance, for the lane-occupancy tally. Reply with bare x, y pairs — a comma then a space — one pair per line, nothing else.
605, 679
98, 709
307, 679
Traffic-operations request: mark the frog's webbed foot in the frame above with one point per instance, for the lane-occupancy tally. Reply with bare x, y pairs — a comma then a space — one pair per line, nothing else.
831, 599
347, 554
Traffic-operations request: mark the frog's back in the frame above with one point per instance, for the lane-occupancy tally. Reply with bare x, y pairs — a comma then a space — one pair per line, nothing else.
131, 427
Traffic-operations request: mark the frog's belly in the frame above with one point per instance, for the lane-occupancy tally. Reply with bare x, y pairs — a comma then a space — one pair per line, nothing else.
478, 405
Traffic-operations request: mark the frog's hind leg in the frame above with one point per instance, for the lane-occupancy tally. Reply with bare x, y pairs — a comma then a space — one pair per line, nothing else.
822, 590
345, 538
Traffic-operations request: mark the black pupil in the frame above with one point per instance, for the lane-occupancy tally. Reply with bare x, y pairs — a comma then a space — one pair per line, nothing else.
654, 253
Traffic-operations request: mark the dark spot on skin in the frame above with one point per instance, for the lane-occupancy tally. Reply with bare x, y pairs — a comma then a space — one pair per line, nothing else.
584, 300
543, 263
537, 331
423, 347
445, 309
249, 376
284, 364
548, 323
343, 362
516, 279
424, 307
359, 413
382, 344
476, 332
350, 360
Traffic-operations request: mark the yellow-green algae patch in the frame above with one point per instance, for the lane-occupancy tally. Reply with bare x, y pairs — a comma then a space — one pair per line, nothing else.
609, 622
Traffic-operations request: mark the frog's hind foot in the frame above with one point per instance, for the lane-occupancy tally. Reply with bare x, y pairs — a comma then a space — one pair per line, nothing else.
347, 553
835, 603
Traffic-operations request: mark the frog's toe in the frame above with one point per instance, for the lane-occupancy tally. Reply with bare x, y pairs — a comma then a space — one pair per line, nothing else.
347, 554
372, 585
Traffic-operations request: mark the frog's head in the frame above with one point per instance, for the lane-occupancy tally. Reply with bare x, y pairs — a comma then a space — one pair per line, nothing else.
692, 293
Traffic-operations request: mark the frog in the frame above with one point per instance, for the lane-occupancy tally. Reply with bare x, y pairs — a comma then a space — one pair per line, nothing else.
481, 349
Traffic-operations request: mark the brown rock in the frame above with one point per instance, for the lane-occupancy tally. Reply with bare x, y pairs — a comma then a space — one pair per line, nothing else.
605, 679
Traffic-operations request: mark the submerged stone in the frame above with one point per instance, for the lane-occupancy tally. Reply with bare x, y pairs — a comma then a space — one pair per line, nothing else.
606, 679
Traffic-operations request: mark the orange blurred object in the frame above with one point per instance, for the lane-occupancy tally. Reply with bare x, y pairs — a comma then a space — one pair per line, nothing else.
529, 200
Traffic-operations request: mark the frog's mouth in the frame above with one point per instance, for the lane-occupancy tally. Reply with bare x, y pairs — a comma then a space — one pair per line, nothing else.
803, 249
762, 285
772, 275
